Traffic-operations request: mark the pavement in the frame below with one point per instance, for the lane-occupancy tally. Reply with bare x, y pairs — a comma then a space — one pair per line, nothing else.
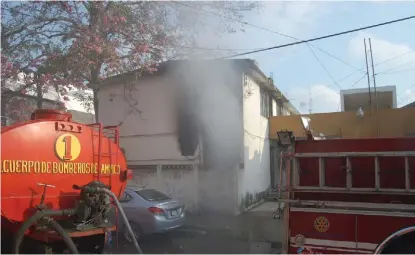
250, 233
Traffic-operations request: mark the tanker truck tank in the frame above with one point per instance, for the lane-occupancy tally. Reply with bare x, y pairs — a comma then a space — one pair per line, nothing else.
59, 175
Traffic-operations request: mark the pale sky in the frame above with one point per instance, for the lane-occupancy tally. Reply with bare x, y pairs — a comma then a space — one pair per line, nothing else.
296, 71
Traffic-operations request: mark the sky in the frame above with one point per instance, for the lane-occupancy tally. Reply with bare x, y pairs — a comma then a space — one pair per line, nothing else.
311, 76
301, 75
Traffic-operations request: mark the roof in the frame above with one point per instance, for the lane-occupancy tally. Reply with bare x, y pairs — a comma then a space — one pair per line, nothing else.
248, 66
9, 92
409, 105
352, 99
82, 117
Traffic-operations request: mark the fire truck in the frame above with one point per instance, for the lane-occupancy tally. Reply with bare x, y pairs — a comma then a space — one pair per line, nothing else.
59, 182
348, 195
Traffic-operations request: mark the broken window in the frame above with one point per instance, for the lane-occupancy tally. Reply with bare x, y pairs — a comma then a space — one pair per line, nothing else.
265, 99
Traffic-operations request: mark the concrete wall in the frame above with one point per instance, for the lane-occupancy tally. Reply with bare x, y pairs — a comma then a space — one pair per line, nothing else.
254, 178
384, 123
148, 130
148, 136
179, 182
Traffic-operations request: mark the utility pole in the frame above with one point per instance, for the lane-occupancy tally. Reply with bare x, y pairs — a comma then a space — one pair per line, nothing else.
373, 73
311, 100
367, 74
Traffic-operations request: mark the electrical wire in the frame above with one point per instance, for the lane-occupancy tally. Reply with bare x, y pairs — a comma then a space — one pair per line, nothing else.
396, 67
325, 69
309, 44
398, 56
400, 71
320, 38
264, 29
407, 97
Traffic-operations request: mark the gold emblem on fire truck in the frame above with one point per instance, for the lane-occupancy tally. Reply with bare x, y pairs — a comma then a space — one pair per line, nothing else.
321, 224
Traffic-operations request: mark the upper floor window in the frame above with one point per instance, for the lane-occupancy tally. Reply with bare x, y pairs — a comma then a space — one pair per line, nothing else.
265, 103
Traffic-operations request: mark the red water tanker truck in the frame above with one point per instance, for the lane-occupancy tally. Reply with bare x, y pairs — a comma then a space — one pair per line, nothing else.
59, 181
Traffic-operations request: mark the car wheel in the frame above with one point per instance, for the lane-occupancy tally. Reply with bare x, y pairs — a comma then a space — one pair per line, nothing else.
136, 230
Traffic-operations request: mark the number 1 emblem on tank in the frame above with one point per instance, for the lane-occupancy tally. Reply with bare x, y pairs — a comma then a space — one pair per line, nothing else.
67, 147
321, 224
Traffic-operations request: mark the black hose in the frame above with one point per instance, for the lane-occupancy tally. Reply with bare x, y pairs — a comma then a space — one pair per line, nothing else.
32, 220
65, 237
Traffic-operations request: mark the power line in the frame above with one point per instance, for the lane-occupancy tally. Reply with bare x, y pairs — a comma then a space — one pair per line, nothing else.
321, 37
398, 56
325, 69
264, 29
396, 67
408, 96
400, 71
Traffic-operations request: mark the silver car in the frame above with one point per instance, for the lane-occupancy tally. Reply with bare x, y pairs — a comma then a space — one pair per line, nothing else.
149, 211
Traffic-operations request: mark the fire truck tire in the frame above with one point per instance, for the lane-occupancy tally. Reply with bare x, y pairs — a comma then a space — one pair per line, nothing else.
404, 244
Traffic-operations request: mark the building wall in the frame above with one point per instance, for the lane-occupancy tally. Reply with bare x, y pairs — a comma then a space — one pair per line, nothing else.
151, 143
348, 125
254, 178
180, 183
148, 131
148, 134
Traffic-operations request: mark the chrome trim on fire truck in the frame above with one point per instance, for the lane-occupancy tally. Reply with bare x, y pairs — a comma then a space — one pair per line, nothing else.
353, 190
339, 244
401, 232
357, 212
324, 243
335, 249
353, 205
356, 154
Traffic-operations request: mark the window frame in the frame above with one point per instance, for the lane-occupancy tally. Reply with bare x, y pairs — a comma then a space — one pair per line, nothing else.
264, 103
127, 199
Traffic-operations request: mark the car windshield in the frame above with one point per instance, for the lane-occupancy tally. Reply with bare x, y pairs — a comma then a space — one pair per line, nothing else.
152, 195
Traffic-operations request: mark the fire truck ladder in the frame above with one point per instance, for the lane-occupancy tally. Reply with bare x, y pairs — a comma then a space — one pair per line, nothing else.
112, 133
408, 190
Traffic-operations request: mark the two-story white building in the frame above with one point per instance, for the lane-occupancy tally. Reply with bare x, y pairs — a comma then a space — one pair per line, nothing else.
197, 130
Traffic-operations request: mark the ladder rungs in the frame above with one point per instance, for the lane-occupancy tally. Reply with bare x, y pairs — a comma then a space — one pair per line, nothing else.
322, 174
356, 154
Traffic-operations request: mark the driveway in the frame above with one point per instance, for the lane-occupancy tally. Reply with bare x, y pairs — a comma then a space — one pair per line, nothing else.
213, 234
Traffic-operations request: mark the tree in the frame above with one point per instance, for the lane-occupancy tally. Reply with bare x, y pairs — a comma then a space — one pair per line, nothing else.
62, 45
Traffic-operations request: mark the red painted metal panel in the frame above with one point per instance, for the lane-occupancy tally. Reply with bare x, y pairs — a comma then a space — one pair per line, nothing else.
335, 175
36, 142
392, 172
363, 169
309, 172
374, 229
411, 161
356, 145
340, 227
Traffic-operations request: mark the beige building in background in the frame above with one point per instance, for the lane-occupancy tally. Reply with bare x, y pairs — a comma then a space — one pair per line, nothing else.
352, 99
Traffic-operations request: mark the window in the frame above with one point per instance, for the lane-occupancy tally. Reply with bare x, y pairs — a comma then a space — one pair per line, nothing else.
152, 195
125, 198
265, 103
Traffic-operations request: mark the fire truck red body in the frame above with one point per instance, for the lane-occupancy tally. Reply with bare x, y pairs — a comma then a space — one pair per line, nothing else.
59, 170
349, 195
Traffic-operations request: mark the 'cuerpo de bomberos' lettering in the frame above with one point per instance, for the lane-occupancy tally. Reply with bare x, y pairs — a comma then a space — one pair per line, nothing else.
47, 167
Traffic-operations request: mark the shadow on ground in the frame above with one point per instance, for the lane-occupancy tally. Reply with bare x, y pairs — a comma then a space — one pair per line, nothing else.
214, 234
